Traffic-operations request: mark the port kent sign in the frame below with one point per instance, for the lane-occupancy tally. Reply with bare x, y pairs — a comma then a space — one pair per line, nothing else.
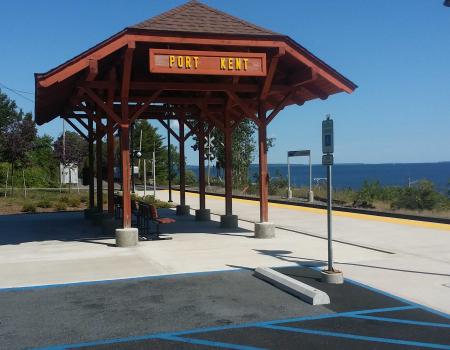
207, 62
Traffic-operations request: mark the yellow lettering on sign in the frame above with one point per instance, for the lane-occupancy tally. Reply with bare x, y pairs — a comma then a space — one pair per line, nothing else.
171, 61
195, 62
245, 63
238, 64
230, 64
180, 61
188, 62
222, 63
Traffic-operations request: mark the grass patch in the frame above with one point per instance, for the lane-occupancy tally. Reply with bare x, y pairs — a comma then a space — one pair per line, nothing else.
60, 206
74, 202
44, 203
29, 207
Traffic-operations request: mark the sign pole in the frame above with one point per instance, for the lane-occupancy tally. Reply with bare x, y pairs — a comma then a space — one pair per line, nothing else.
311, 193
145, 177
330, 275
154, 174
289, 179
329, 217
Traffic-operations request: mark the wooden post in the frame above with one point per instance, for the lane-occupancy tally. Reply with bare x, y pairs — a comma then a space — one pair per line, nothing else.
263, 174
125, 151
228, 169
201, 167
98, 151
182, 164
110, 167
91, 163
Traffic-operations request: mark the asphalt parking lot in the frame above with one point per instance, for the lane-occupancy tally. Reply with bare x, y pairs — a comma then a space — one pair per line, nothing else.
224, 309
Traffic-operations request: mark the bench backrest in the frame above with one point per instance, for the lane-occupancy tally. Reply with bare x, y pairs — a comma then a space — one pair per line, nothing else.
153, 212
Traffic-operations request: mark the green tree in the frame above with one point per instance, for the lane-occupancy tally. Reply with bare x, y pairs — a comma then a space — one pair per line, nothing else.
243, 148
8, 112
151, 141
73, 151
18, 139
44, 166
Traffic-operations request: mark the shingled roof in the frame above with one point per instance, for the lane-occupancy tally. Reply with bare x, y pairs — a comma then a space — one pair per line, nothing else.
195, 17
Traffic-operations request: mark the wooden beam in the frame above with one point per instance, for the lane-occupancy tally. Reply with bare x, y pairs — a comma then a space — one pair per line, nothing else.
107, 109
126, 79
182, 162
271, 74
144, 106
316, 91
164, 124
247, 111
263, 173
76, 128
110, 146
278, 108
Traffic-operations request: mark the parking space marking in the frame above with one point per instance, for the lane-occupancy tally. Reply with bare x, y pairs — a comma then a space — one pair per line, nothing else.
264, 324
397, 320
357, 337
210, 343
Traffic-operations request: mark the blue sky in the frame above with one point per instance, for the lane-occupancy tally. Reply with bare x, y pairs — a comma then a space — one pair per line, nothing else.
398, 52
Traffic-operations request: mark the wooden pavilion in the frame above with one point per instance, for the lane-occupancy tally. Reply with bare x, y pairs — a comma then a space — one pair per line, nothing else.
194, 64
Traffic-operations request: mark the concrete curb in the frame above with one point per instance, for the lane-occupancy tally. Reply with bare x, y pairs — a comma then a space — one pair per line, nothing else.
299, 289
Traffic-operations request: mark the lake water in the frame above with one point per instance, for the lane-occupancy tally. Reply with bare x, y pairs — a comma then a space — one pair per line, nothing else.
353, 175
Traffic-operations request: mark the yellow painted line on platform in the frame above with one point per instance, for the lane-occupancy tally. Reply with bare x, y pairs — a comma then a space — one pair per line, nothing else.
416, 223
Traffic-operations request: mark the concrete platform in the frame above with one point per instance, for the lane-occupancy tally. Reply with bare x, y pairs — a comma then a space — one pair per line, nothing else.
39, 249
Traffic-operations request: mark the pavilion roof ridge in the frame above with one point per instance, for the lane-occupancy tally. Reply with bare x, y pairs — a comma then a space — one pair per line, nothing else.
194, 16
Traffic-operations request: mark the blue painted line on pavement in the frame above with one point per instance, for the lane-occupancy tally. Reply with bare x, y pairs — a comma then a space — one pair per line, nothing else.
128, 279
402, 321
210, 343
359, 337
220, 328
423, 307
387, 294
340, 314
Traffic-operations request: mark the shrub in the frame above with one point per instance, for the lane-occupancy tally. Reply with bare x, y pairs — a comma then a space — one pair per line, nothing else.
64, 199
44, 203
84, 198
278, 186
60, 206
369, 192
156, 202
190, 178
74, 202
423, 196
29, 208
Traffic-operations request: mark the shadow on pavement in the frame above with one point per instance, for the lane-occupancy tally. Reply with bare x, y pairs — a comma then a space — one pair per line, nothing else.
284, 256
73, 227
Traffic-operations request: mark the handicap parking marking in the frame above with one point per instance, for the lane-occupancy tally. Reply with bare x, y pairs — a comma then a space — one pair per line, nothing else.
180, 336
209, 343
221, 337
358, 337
402, 321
